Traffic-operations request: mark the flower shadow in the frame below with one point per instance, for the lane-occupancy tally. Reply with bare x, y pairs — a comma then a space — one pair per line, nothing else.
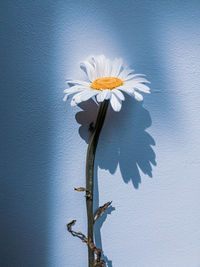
124, 141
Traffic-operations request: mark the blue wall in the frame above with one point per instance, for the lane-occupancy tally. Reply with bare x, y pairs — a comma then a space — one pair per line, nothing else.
148, 156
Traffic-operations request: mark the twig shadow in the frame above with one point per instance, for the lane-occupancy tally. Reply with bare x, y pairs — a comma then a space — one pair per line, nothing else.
97, 233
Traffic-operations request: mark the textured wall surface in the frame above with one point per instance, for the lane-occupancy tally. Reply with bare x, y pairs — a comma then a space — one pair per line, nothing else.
148, 156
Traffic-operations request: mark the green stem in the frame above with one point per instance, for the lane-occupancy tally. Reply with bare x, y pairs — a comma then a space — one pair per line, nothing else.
90, 174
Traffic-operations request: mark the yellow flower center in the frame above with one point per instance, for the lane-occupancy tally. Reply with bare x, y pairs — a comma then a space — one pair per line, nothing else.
106, 83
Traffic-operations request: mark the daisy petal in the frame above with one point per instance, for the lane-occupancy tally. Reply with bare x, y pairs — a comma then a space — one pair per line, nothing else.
138, 96
125, 72
88, 94
90, 59
129, 90
139, 86
133, 76
105, 94
65, 97
74, 89
78, 82
83, 96
107, 68
116, 67
143, 88
118, 94
99, 63
140, 80
115, 102
88, 68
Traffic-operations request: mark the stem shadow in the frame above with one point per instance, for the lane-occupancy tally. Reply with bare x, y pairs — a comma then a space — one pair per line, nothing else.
98, 224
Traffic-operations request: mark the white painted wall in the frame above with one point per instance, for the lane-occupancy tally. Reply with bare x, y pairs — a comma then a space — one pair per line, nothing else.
148, 156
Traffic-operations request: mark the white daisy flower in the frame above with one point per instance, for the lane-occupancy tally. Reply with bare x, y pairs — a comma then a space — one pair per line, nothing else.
108, 79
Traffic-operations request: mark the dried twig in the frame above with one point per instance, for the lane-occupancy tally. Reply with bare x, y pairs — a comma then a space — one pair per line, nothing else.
98, 261
100, 211
83, 189
78, 234
80, 189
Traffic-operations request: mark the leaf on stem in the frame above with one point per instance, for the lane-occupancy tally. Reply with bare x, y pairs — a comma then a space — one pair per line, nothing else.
80, 189
69, 225
100, 211
98, 261
77, 234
